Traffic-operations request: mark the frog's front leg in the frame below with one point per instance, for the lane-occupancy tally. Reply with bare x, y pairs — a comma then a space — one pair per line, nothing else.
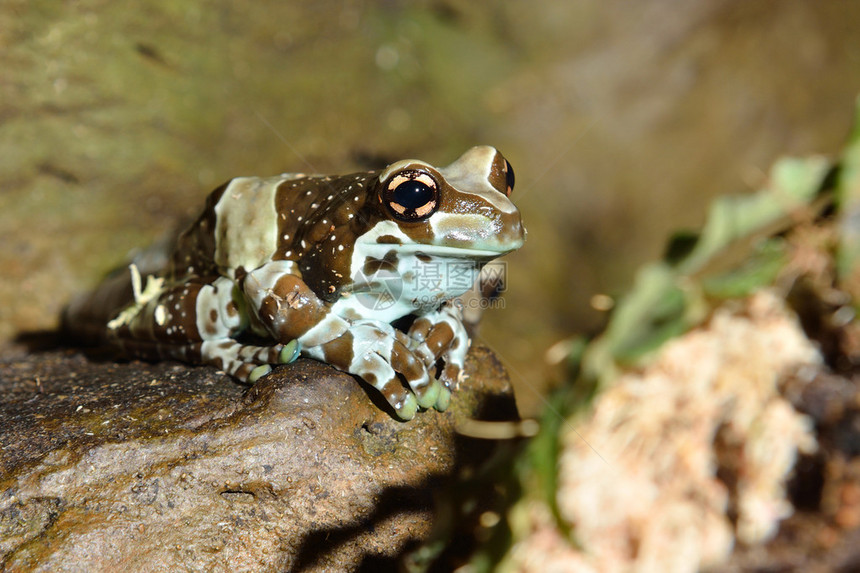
288, 309
377, 352
441, 334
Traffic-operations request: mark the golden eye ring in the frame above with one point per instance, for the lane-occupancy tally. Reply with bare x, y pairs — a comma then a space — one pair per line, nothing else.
411, 195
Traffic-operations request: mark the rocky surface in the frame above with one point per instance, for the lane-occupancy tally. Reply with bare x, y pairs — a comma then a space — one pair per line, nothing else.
138, 466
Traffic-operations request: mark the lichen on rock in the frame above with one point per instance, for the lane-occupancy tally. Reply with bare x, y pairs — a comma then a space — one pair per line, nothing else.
638, 476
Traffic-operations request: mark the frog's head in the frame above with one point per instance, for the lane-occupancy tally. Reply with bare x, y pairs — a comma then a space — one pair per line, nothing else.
434, 227
462, 210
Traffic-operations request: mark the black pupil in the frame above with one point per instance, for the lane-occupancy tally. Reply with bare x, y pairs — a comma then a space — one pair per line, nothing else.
413, 194
509, 176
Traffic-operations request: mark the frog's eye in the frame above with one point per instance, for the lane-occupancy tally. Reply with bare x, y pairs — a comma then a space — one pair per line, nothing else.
502, 175
509, 178
411, 195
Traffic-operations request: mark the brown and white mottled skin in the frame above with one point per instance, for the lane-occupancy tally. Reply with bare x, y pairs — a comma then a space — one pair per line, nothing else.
330, 262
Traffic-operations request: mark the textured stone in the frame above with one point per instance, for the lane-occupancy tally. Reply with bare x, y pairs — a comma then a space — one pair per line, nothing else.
137, 466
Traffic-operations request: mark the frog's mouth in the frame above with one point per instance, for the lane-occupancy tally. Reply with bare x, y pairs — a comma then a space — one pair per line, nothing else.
450, 252
478, 241
421, 251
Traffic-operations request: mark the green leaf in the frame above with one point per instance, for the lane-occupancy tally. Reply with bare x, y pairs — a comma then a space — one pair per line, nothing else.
654, 311
793, 184
759, 270
848, 208
732, 256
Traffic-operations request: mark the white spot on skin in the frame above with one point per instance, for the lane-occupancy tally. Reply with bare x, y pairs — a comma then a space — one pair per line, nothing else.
160, 315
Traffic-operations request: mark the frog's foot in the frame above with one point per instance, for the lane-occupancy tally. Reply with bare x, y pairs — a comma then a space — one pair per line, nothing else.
246, 362
377, 353
441, 336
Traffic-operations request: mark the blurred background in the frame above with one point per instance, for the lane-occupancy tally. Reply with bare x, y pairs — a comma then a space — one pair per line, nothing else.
622, 120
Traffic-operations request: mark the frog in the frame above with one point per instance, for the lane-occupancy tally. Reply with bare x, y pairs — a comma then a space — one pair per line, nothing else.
361, 271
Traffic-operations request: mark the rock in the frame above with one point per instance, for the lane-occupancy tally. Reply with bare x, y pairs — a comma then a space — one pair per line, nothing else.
141, 466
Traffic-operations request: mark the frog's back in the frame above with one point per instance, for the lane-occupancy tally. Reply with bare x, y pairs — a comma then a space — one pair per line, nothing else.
250, 221
238, 228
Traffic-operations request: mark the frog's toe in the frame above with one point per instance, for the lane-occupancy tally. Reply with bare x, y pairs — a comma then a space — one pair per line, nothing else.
433, 341
415, 373
427, 356
451, 374
444, 399
402, 400
419, 331
406, 408
259, 372
289, 352
427, 395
